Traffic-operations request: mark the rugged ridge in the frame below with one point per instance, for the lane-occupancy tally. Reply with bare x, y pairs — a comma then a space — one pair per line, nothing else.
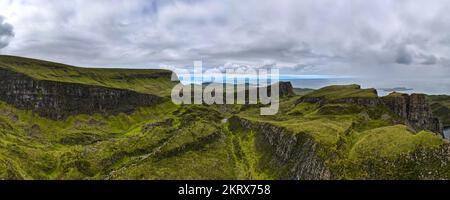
286, 89
413, 108
363, 101
416, 110
297, 153
58, 100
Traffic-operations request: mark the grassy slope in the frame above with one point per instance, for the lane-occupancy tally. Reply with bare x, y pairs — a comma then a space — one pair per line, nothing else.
390, 141
441, 108
145, 81
343, 91
302, 91
352, 136
119, 147
197, 144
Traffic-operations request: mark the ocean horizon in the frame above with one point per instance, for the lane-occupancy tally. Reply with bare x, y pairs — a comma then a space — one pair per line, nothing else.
431, 87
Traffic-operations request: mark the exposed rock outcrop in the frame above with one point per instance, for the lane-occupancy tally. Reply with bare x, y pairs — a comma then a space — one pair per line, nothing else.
296, 152
416, 110
58, 100
286, 89
413, 108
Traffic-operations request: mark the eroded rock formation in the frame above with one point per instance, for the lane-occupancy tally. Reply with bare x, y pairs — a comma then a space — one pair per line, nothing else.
286, 89
416, 110
413, 108
58, 100
297, 153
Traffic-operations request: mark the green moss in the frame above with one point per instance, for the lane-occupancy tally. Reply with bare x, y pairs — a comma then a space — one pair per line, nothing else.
150, 81
355, 142
303, 109
343, 91
392, 141
251, 156
339, 109
392, 153
395, 94
440, 105
302, 91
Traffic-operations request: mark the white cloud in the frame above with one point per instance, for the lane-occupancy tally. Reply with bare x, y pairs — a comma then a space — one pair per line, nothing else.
6, 33
353, 37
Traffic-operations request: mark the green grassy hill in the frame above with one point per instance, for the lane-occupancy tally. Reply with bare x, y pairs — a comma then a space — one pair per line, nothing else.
441, 108
167, 141
302, 91
359, 142
343, 91
150, 81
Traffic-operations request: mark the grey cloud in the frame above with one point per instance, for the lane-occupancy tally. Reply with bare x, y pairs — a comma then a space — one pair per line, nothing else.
6, 33
306, 68
364, 38
404, 56
413, 54
430, 60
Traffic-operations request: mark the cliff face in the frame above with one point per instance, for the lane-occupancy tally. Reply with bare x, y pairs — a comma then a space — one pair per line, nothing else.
416, 110
297, 153
440, 106
57, 100
286, 89
413, 108
368, 102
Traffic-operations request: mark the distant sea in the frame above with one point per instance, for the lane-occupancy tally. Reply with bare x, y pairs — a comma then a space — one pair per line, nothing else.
434, 86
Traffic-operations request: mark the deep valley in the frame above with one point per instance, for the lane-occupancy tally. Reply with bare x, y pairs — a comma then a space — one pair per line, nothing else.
63, 122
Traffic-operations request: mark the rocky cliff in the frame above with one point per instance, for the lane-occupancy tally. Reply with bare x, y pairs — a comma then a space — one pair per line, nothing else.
296, 153
416, 110
58, 100
343, 94
286, 89
413, 108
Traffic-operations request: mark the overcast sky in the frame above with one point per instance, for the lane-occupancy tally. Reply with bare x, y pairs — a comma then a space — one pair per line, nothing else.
382, 39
